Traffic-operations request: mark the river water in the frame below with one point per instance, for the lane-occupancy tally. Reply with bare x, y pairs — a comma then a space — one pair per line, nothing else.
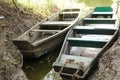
36, 69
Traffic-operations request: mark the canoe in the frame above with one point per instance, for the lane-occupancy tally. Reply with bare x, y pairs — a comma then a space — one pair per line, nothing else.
85, 43
47, 34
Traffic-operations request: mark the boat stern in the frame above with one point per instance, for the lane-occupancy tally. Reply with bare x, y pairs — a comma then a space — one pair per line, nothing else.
72, 66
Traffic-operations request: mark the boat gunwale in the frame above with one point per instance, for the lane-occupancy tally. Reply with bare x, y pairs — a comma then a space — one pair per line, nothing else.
116, 23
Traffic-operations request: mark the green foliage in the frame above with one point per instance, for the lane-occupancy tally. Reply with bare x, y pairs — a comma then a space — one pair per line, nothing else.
46, 7
41, 7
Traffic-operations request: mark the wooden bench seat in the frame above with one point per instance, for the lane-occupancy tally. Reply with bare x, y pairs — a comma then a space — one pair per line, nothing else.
88, 42
46, 30
94, 27
99, 21
102, 13
59, 23
76, 59
94, 30
68, 16
71, 10
76, 12
66, 68
103, 9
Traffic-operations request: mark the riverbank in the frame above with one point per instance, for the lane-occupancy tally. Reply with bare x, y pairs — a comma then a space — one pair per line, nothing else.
12, 24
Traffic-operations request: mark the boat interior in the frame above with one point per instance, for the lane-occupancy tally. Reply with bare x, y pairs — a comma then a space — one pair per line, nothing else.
85, 42
52, 25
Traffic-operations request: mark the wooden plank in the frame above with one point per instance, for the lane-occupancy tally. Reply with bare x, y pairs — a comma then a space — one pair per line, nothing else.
95, 27
76, 12
103, 9
76, 59
46, 30
102, 13
68, 17
59, 23
106, 19
86, 42
94, 30
101, 25
68, 10
99, 21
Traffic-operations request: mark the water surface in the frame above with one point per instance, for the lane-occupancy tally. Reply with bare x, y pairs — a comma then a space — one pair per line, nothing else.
36, 69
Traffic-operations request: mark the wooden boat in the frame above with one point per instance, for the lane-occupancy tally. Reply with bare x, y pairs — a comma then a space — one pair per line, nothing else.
86, 42
47, 34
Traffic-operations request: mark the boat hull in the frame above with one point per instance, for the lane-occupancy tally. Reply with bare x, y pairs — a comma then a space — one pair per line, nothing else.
45, 47
71, 71
47, 34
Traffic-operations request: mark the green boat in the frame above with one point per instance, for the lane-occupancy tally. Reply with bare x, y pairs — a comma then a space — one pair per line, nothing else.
47, 34
86, 42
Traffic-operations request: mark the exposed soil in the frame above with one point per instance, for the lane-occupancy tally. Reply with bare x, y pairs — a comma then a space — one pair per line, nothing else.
109, 64
14, 22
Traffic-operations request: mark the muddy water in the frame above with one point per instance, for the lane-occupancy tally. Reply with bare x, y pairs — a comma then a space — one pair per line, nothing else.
36, 69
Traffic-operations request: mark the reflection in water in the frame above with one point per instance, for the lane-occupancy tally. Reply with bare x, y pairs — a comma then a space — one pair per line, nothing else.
36, 69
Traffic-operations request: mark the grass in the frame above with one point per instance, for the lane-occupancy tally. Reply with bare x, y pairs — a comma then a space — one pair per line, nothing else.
46, 7
41, 7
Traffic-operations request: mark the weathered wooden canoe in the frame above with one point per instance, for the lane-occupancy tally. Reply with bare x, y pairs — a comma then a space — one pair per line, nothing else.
86, 42
47, 34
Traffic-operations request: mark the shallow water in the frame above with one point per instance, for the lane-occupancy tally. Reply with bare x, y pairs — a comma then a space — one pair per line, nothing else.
36, 69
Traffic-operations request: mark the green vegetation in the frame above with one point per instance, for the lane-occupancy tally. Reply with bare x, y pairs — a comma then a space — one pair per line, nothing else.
46, 7
41, 7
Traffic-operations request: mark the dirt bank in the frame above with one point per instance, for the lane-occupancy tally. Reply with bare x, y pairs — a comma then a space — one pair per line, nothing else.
109, 64
13, 23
